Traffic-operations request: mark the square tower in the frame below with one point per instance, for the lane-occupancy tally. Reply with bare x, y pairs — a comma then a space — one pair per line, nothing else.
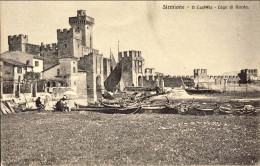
85, 24
69, 43
17, 43
132, 68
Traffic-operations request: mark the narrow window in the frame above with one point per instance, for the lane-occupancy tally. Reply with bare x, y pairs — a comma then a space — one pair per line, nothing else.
65, 45
74, 70
58, 72
27, 62
19, 70
36, 63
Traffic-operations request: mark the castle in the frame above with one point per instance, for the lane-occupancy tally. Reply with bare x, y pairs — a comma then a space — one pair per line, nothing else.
72, 60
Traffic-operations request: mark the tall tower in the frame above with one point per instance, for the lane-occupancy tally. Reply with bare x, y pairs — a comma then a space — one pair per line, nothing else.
85, 24
17, 43
69, 43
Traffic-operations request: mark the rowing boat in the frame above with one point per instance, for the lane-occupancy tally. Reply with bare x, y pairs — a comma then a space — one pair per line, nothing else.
110, 110
228, 108
152, 109
171, 109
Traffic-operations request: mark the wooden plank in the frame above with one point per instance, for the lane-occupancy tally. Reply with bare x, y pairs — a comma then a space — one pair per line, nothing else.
4, 109
11, 106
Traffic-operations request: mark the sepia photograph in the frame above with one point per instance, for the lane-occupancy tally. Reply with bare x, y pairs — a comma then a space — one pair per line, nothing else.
130, 83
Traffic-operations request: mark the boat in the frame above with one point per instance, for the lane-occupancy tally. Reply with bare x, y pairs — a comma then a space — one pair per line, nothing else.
152, 109
204, 111
228, 108
204, 108
111, 110
197, 90
86, 106
183, 108
171, 108
112, 105
248, 109
200, 91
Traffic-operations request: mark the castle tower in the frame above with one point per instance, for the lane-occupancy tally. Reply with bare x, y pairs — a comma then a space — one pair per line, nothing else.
17, 43
132, 68
95, 80
69, 43
85, 24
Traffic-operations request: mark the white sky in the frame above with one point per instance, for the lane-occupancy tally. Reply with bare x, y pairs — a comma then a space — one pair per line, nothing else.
172, 41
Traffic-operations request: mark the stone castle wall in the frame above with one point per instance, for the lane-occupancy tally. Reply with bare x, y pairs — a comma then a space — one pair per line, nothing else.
49, 52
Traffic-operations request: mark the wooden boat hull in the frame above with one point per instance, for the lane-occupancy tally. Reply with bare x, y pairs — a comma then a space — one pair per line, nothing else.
88, 106
152, 109
183, 110
247, 110
130, 110
200, 91
170, 109
224, 110
112, 105
229, 109
204, 111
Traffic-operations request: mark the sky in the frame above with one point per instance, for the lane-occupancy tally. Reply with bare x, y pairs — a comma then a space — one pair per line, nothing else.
173, 42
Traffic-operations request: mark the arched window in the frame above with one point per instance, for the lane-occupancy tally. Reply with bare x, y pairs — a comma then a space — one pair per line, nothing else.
65, 45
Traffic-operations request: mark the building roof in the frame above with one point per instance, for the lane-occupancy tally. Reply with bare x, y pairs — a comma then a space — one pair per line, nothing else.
51, 67
15, 63
69, 57
9, 54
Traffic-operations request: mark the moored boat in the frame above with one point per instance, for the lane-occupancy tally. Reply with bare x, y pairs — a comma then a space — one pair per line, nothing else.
152, 109
102, 109
200, 91
170, 109
228, 108
112, 105
204, 111
183, 108
247, 110
204, 108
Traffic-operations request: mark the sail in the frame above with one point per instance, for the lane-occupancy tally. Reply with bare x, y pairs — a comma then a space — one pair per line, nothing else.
113, 79
113, 62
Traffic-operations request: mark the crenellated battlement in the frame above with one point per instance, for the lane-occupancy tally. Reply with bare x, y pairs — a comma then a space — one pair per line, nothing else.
53, 47
253, 72
132, 54
87, 50
15, 39
199, 71
149, 70
69, 33
81, 19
